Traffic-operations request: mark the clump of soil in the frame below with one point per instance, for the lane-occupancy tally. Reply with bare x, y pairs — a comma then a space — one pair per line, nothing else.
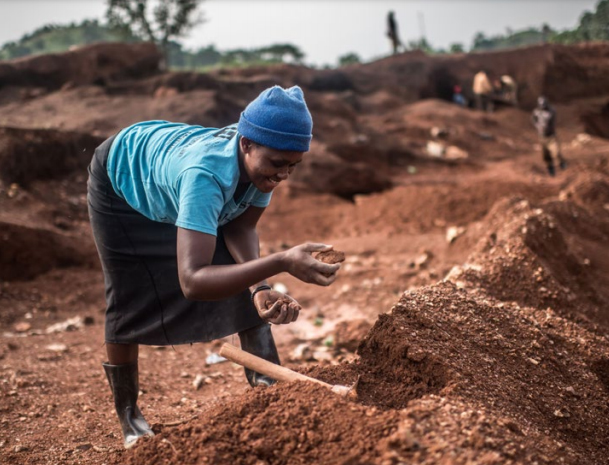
330, 256
295, 423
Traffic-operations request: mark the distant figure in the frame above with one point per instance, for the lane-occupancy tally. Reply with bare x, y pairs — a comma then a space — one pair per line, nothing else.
483, 91
392, 33
544, 119
458, 97
509, 89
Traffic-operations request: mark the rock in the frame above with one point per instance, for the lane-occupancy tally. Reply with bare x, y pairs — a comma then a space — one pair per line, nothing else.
435, 149
453, 232
455, 153
561, 413
22, 327
302, 352
198, 381
416, 354
57, 347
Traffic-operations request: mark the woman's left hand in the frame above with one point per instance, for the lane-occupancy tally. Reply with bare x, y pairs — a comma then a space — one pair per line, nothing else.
276, 308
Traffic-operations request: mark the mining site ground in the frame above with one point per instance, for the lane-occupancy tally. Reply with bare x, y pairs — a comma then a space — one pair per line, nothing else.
473, 304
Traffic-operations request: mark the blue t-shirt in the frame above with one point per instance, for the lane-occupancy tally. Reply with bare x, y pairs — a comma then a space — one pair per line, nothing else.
181, 174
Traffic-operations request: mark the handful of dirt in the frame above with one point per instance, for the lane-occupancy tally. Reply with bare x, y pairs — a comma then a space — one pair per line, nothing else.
283, 300
331, 257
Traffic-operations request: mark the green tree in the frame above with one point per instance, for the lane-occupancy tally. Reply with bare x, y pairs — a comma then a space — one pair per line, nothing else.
349, 59
281, 53
54, 38
158, 21
456, 48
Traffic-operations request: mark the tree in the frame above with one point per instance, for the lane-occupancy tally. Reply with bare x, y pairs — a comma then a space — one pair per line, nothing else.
281, 53
157, 21
456, 48
349, 59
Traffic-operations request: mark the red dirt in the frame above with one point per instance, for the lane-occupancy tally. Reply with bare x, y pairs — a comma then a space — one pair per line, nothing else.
331, 256
490, 348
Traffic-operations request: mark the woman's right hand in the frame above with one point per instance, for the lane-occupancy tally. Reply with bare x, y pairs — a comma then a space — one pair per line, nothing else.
301, 264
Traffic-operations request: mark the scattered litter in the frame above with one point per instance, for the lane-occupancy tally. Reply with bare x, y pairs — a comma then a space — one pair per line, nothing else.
214, 358
71, 324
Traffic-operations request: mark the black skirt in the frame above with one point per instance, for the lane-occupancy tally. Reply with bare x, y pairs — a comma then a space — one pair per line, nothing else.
145, 303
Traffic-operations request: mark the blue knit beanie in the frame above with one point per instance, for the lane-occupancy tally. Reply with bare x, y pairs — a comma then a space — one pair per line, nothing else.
278, 118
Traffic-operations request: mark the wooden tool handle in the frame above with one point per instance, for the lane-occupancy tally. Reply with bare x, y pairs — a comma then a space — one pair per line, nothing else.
264, 367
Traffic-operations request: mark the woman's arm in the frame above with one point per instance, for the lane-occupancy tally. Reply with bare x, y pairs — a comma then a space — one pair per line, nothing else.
241, 237
200, 280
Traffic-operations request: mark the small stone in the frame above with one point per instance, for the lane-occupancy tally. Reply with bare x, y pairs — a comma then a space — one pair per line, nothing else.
57, 347
198, 382
561, 414
453, 232
416, 354
22, 327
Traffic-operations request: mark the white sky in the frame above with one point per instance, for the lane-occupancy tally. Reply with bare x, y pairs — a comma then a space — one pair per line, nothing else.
323, 29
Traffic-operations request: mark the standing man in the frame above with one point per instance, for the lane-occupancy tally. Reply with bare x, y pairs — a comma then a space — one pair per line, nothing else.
483, 91
544, 119
392, 33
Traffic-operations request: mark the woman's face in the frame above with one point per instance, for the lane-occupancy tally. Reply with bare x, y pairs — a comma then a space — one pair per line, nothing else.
266, 167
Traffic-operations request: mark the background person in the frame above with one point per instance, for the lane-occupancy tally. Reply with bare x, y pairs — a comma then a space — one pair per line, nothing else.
544, 120
483, 89
392, 32
174, 209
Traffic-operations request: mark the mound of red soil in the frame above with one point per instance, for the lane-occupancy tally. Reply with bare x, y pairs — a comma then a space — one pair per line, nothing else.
553, 256
26, 252
260, 428
92, 64
27, 155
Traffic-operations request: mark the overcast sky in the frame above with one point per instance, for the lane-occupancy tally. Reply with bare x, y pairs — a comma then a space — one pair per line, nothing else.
323, 29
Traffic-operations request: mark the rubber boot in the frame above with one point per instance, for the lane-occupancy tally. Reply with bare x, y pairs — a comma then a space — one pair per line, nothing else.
123, 380
259, 341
